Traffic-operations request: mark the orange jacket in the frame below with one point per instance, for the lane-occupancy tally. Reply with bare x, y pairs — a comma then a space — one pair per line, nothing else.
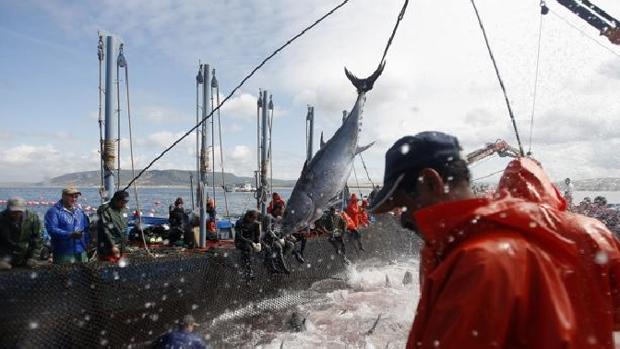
275, 199
516, 271
350, 224
353, 210
363, 214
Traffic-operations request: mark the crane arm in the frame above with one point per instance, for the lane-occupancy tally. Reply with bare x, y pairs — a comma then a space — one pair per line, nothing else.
596, 17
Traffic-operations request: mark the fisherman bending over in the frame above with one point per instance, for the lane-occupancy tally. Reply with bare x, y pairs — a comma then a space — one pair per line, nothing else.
182, 338
111, 227
513, 271
276, 200
275, 244
247, 240
20, 235
332, 223
353, 233
67, 225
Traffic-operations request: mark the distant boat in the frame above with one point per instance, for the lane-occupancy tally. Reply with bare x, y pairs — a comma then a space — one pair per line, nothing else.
244, 188
229, 188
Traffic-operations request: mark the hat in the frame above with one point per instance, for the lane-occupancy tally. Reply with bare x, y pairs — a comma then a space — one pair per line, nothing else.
16, 204
70, 191
426, 149
120, 195
188, 320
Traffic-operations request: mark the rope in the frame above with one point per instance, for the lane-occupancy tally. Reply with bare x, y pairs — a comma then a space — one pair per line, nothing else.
100, 56
118, 121
212, 138
243, 81
366, 170
398, 20
585, 34
357, 183
219, 124
499, 78
133, 170
487, 176
540, 25
270, 154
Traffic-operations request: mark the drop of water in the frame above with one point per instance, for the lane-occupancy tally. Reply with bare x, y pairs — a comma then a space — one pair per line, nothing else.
33, 325
601, 258
503, 215
474, 333
34, 275
104, 342
403, 209
436, 343
116, 277
404, 149
147, 286
123, 262
309, 265
182, 279
194, 306
533, 225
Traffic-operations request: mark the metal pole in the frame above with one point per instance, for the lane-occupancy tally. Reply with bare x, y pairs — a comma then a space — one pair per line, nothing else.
110, 134
206, 89
191, 189
199, 81
310, 123
263, 163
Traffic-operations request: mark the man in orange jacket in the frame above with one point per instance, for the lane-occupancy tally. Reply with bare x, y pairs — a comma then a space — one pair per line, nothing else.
513, 271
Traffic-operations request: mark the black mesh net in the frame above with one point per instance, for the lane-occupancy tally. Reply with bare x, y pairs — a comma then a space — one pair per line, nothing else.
129, 305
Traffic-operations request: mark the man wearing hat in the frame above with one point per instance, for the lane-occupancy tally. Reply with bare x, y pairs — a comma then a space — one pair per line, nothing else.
182, 337
112, 227
20, 235
513, 271
67, 225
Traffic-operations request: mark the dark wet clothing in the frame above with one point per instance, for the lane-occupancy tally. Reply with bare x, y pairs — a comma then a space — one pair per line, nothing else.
275, 246
335, 225
246, 234
22, 240
180, 339
178, 220
111, 229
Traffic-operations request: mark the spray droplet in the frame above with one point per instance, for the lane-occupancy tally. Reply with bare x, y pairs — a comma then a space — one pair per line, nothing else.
601, 258
404, 149
123, 262
33, 325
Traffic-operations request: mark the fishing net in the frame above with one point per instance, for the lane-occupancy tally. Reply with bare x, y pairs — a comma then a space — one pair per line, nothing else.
128, 305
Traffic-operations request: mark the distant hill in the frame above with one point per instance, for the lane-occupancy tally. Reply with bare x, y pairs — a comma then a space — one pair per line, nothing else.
153, 178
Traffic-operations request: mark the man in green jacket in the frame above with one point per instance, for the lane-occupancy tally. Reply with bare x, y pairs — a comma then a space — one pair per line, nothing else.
112, 227
20, 235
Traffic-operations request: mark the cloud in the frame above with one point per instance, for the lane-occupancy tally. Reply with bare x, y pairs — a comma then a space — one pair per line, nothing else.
241, 107
160, 114
34, 163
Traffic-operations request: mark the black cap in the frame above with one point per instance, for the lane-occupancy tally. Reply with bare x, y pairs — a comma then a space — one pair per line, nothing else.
426, 149
120, 195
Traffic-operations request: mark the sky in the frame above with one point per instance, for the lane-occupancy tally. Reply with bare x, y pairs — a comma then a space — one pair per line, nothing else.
438, 77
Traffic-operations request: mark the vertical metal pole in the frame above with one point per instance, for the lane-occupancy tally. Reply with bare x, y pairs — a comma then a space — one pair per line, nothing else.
199, 80
263, 156
206, 89
310, 122
191, 189
110, 134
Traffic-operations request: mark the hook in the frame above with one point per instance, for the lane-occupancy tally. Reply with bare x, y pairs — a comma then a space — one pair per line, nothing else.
543, 8
214, 80
121, 61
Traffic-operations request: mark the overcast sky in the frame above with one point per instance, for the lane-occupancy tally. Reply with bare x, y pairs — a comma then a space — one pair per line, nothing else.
438, 77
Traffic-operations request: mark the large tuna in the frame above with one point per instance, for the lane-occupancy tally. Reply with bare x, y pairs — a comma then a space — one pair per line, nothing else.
326, 174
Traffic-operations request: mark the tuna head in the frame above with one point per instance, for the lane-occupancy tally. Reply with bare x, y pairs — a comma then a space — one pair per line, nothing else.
326, 174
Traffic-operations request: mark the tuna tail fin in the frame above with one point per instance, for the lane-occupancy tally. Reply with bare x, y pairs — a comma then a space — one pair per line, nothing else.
364, 85
361, 149
322, 141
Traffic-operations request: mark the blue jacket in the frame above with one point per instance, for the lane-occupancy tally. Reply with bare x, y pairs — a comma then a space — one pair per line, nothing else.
179, 339
60, 222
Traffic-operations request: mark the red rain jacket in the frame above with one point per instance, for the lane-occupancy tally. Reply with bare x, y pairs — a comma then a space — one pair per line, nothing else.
516, 271
353, 210
363, 214
275, 199
350, 223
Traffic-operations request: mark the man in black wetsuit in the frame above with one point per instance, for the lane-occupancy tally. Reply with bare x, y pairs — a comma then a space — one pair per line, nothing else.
247, 240
333, 224
177, 218
275, 245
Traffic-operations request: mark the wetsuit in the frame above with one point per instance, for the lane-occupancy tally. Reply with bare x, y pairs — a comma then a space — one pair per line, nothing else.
246, 233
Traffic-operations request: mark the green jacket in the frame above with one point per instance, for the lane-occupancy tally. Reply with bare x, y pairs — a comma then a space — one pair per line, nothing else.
333, 224
111, 229
20, 241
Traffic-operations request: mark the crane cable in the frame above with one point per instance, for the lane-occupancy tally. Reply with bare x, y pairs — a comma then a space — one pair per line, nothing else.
122, 62
543, 10
260, 65
499, 78
219, 124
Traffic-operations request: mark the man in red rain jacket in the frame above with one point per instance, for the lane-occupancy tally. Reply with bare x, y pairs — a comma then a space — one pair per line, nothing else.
362, 216
513, 271
353, 210
276, 200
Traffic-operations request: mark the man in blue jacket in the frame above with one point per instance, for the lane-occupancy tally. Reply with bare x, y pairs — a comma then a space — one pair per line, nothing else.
182, 338
67, 225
